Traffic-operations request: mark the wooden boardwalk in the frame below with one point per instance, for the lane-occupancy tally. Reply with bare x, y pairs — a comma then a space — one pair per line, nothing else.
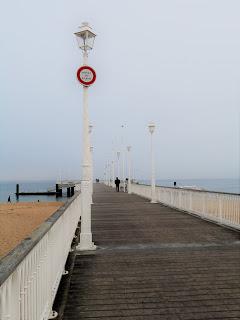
154, 262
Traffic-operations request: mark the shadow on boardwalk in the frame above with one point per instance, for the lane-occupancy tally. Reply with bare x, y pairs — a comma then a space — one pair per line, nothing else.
154, 262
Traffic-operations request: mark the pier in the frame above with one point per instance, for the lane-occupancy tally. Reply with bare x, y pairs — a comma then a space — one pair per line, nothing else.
153, 261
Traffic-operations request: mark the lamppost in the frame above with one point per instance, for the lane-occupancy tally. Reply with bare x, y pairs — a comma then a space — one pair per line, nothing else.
90, 127
86, 75
129, 169
123, 158
106, 174
109, 174
151, 128
91, 154
118, 164
113, 174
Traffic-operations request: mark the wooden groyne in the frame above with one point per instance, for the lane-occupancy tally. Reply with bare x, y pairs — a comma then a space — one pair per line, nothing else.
58, 191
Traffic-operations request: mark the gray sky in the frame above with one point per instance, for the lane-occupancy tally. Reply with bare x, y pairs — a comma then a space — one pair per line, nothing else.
174, 62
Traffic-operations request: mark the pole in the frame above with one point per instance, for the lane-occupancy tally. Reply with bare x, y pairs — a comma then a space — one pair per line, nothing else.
106, 174
129, 170
118, 162
153, 186
113, 175
123, 170
86, 242
91, 161
109, 173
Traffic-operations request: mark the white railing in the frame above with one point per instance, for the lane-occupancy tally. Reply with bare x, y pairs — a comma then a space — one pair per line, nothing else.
223, 208
31, 273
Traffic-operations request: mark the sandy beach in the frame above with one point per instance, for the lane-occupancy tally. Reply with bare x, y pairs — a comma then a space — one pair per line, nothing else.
18, 220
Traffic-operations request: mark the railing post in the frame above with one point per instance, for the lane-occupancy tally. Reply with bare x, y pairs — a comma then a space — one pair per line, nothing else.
220, 208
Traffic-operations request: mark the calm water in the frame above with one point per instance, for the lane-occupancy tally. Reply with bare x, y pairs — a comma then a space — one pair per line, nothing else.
9, 189
221, 185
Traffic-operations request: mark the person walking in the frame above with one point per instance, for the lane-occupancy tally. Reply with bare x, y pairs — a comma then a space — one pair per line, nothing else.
117, 183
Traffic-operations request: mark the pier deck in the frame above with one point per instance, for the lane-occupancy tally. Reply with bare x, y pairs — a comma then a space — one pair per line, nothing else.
154, 262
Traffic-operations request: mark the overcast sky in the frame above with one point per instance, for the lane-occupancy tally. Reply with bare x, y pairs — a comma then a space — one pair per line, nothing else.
174, 62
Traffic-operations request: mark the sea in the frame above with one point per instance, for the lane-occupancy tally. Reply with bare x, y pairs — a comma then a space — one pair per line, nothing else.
218, 185
9, 188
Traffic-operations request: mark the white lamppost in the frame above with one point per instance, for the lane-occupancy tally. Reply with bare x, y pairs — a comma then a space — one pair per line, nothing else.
113, 174
123, 169
91, 153
129, 169
85, 37
151, 128
109, 173
106, 174
118, 164
90, 127
104, 179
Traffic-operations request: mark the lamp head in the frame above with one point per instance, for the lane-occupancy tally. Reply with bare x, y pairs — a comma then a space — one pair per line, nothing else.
151, 127
85, 37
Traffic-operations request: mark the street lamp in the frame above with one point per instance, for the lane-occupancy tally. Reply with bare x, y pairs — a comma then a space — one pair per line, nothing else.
113, 174
129, 169
109, 174
151, 128
85, 38
91, 155
90, 127
118, 163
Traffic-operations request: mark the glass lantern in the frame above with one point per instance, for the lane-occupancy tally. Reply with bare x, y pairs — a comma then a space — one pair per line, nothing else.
151, 127
85, 37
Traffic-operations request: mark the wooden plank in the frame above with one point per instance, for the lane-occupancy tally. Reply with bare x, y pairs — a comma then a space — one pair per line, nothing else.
154, 262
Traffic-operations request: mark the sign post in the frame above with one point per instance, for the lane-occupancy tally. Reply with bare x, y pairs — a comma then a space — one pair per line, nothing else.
86, 76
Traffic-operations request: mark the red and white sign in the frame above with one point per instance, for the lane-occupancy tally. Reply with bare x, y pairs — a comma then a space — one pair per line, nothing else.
86, 75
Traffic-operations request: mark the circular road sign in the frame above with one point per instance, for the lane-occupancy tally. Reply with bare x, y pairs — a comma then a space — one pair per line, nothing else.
86, 75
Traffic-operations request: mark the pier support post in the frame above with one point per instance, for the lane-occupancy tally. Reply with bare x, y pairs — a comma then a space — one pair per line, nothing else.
17, 191
68, 192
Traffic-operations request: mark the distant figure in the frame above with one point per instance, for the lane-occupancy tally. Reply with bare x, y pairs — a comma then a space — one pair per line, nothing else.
117, 183
126, 185
38, 201
9, 199
175, 183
